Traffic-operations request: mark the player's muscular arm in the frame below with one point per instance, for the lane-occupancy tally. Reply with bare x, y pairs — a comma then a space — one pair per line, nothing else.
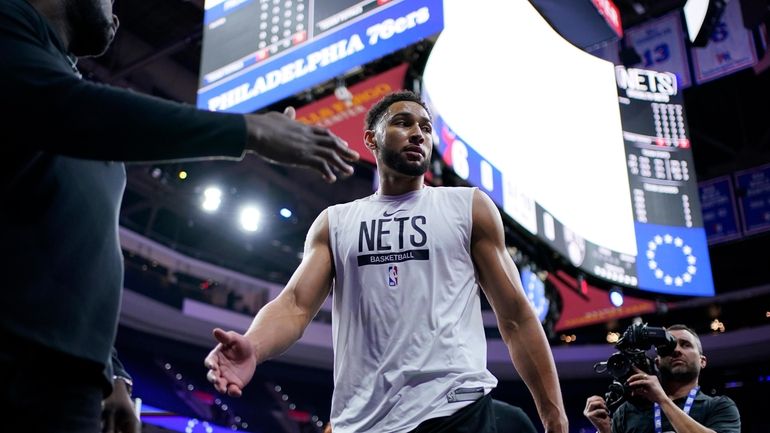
283, 320
519, 327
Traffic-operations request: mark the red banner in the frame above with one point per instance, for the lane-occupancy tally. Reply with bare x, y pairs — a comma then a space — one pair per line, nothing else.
591, 306
347, 121
609, 11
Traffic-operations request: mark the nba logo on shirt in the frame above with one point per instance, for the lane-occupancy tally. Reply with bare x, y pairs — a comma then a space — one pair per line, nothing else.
393, 275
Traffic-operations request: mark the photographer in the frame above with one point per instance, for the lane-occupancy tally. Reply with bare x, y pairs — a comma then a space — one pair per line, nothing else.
671, 402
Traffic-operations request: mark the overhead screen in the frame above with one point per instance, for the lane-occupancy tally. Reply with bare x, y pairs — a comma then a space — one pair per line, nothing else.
257, 52
537, 124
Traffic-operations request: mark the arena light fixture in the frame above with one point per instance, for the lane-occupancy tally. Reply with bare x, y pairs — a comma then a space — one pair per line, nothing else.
616, 297
212, 199
250, 217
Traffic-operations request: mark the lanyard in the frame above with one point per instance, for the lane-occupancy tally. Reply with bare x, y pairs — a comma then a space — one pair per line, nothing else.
687, 406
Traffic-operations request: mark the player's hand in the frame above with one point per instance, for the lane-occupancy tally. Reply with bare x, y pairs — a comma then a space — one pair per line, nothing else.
231, 364
279, 138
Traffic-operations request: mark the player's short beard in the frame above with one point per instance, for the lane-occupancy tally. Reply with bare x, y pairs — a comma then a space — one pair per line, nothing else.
396, 161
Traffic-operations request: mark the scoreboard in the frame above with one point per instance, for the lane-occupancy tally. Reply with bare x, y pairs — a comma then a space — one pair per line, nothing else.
257, 52
672, 250
593, 159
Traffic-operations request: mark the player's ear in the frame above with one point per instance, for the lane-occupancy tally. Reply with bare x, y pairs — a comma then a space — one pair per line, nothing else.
370, 141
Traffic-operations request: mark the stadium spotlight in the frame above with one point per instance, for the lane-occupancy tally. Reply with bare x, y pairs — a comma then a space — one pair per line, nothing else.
212, 198
616, 297
250, 216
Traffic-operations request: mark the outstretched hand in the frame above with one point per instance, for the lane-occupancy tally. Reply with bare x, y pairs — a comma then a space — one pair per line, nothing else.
231, 364
279, 138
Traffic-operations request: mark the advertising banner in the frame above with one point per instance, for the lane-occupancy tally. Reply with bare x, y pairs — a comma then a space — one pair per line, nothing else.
347, 121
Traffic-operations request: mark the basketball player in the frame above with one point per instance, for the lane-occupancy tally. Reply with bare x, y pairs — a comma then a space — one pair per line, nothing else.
406, 264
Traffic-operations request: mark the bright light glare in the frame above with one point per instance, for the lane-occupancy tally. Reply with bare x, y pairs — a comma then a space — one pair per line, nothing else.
616, 298
250, 217
286, 213
212, 198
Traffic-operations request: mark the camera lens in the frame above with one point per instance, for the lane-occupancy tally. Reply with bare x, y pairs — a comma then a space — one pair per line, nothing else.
618, 365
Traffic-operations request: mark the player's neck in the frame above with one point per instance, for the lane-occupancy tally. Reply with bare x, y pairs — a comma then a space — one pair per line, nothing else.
398, 184
676, 390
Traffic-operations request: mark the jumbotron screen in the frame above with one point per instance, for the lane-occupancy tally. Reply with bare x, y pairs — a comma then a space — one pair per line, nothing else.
257, 52
593, 159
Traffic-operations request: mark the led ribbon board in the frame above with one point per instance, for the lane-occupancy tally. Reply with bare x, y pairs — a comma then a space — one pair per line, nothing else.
258, 52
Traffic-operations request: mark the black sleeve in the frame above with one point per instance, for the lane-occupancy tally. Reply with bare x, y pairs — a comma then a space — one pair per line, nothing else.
625, 418
722, 416
47, 107
615, 424
117, 366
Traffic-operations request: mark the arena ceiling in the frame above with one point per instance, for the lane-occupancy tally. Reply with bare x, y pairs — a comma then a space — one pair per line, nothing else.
157, 51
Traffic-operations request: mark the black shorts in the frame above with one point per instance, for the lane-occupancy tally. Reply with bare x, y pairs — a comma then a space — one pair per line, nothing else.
483, 416
477, 417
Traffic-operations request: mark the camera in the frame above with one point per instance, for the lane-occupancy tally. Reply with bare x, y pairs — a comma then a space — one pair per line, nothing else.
632, 352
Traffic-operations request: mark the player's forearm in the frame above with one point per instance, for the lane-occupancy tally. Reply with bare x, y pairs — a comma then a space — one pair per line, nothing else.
533, 360
680, 421
277, 326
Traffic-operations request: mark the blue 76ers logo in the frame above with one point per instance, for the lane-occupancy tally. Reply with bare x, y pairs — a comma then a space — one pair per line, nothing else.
393, 276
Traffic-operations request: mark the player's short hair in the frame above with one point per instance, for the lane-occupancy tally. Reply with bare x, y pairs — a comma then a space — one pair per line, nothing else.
375, 113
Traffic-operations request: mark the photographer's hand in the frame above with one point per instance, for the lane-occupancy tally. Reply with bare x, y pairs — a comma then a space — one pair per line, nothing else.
647, 386
596, 411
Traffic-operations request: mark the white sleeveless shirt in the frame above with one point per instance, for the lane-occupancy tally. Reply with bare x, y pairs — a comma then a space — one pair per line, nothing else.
408, 336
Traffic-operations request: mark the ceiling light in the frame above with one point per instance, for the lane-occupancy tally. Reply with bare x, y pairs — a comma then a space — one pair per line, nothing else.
250, 216
212, 198
616, 297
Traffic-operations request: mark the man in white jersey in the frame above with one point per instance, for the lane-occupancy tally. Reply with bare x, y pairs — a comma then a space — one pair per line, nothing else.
405, 265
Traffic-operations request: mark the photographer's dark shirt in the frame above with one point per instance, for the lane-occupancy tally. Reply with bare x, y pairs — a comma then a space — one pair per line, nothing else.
717, 413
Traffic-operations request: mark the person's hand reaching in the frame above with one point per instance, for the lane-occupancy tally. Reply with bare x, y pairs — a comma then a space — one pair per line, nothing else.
231, 364
279, 138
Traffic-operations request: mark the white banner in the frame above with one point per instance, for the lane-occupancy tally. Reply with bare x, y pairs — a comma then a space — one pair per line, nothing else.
660, 43
730, 48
